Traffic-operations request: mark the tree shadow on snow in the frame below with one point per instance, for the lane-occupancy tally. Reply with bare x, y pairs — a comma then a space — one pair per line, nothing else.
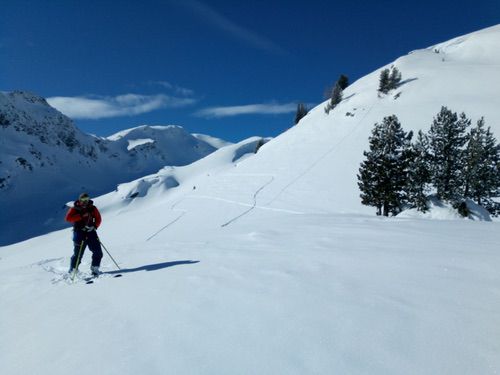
406, 81
154, 267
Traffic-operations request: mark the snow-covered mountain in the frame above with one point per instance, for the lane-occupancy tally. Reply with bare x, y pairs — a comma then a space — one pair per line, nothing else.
45, 159
260, 259
315, 163
313, 166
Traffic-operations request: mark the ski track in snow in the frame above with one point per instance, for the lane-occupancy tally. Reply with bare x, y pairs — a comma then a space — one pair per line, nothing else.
252, 207
294, 212
58, 267
166, 226
322, 157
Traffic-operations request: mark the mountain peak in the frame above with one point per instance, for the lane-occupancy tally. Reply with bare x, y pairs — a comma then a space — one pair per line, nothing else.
28, 96
146, 129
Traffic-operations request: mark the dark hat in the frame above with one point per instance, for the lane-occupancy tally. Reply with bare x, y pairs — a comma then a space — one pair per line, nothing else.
83, 196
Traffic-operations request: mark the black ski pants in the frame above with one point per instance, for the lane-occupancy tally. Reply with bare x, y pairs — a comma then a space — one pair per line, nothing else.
81, 240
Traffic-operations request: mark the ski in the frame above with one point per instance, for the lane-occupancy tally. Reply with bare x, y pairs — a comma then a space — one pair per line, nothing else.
91, 279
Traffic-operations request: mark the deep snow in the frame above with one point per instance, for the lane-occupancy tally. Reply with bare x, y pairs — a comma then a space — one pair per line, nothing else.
267, 263
274, 292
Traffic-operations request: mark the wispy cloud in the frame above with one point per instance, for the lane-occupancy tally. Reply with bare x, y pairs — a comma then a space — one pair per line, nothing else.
178, 90
213, 17
95, 107
249, 109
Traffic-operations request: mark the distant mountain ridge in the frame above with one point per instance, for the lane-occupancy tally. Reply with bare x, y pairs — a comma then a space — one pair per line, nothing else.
45, 159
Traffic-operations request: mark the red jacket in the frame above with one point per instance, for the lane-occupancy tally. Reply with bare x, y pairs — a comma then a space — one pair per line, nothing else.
81, 215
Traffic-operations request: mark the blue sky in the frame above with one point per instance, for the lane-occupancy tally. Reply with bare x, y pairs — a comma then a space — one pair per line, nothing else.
229, 69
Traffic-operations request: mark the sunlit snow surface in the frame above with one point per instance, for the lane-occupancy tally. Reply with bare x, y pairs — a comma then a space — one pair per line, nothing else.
273, 292
267, 263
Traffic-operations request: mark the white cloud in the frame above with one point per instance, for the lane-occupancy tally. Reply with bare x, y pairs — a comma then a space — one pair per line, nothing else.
249, 109
179, 90
85, 107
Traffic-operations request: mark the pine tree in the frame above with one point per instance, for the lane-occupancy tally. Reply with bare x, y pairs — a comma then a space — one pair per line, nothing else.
394, 78
369, 181
447, 138
343, 81
336, 97
384, 81
482, 176
418, 176
389, 79
382, 175
302, 111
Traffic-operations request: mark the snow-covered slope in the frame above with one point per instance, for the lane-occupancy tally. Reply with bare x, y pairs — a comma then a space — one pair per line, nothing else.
45, 159
315, 163
213, 285
216, 142
266, 263
313, 166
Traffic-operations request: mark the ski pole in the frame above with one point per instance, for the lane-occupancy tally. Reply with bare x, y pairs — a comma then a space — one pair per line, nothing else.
77, 262
104, 247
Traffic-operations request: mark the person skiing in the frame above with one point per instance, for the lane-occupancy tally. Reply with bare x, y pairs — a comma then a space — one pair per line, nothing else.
86, 218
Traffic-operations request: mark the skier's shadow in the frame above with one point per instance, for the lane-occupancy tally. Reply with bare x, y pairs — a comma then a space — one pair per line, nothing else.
154, 267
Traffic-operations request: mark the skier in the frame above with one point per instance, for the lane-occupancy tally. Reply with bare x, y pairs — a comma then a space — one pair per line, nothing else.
86, 219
